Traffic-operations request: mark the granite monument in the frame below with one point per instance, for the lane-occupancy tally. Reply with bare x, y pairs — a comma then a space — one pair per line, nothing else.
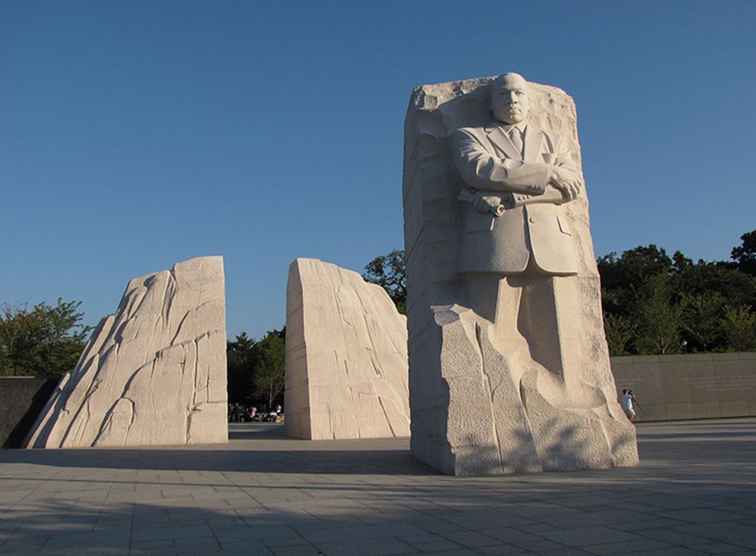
509, 368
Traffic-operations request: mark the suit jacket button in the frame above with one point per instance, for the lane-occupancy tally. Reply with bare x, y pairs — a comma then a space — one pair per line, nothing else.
531, 219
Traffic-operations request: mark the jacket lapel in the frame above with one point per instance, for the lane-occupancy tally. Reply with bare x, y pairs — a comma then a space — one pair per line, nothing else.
501, 143
532, 144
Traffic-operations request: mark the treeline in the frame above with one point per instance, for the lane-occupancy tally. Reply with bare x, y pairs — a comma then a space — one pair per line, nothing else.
657, 304
653, 303
256, 369
47, 340
43, 341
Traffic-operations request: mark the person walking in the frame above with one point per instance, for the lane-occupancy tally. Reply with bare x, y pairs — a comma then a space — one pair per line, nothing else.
628, 405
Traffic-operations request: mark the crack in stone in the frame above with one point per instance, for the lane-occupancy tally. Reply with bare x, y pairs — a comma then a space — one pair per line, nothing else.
487, 385
128, 352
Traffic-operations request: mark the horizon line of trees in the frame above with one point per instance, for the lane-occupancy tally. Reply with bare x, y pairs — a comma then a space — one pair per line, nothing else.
256, 369
653, 303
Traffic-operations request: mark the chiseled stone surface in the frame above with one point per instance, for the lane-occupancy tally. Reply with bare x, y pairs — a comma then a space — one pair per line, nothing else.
346, 356
509, 368
154, 372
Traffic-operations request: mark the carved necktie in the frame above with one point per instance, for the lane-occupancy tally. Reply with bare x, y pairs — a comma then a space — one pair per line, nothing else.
515, 135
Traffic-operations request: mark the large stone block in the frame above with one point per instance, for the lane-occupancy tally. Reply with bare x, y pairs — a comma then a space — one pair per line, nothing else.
154, 372
509, 367
346, 356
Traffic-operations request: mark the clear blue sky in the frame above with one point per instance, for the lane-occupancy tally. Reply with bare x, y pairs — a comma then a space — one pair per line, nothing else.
137, 134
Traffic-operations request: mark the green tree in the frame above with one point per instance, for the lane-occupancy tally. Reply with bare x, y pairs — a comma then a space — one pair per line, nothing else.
390, 272
735, 287
270, 373
701, 320
619, 332
696, 292
659, 319
744, 255
44, 341
241, 356
739, 326
256, 369
621, 276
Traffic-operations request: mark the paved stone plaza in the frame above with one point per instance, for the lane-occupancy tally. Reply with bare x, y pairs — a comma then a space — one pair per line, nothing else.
695, 493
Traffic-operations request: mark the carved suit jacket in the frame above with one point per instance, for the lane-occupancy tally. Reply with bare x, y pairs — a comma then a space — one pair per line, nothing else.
538, 233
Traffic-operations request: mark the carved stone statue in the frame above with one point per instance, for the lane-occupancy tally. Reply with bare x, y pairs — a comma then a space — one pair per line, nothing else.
509, 369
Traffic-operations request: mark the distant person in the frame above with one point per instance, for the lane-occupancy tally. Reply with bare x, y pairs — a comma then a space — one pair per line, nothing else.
627, 404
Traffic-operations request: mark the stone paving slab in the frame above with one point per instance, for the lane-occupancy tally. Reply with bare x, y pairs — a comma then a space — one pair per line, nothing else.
695, 493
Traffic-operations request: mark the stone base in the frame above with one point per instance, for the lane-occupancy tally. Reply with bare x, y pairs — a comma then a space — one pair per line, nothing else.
500, 413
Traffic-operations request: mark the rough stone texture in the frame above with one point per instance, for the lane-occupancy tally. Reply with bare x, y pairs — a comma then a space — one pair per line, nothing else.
474, 409
153, 373
691, 386
346, 356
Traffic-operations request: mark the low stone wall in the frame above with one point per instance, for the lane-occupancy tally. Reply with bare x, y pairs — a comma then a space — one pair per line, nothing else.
693, 386
21, 400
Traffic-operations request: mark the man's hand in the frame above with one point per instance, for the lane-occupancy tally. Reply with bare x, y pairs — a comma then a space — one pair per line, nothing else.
535, 189
488, 204
566, 181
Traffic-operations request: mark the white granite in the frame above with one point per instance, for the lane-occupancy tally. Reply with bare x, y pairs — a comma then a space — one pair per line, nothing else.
154, 372
509, 368
346, 356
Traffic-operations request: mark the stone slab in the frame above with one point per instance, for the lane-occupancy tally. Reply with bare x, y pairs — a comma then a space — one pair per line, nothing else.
346, 356
152, 373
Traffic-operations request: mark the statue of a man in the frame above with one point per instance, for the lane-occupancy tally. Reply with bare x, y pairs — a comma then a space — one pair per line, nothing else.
517, 251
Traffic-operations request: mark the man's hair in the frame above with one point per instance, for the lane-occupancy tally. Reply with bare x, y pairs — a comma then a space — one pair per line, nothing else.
499, 80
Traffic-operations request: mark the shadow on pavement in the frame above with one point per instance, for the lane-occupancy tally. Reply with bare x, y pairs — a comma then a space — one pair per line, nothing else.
238, 431
263, 461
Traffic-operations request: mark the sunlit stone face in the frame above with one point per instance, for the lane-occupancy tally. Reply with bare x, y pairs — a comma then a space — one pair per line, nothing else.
509, 98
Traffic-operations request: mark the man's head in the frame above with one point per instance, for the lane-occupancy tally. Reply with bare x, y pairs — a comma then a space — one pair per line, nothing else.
509, 98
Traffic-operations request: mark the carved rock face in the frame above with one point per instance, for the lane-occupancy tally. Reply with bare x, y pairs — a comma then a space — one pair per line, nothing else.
346, 356
154, 372
509, 99
508, 364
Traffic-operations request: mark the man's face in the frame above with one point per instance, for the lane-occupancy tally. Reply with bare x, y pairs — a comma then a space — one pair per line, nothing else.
509, 99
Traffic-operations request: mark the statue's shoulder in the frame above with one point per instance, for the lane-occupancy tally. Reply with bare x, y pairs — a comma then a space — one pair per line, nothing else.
469, 133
